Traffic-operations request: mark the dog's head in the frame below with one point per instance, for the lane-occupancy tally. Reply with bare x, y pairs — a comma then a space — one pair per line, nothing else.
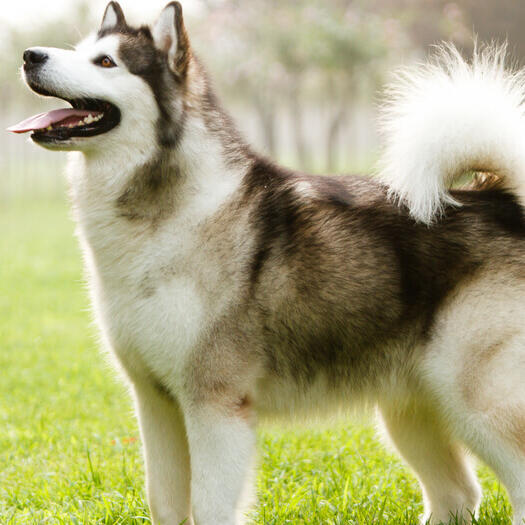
124, 84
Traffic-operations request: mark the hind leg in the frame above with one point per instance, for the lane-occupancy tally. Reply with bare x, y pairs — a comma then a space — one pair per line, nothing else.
450, 488
483, 395
475, 368
494, 446
474, 365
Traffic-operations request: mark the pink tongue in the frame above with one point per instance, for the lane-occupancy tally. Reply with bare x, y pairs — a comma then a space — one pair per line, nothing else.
44, 120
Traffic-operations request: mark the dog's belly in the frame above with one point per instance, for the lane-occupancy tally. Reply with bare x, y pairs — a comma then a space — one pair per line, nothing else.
285, 399
326, 396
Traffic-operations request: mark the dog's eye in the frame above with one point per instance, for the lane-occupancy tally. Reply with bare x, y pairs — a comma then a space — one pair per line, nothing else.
104, 61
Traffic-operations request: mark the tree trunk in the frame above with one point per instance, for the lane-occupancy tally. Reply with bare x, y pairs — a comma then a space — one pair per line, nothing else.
337, 119
297, 125
266, 113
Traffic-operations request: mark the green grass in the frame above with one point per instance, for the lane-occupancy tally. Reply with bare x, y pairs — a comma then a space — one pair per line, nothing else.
68, 447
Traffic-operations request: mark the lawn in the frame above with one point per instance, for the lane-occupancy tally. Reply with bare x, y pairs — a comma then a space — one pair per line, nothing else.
69, 448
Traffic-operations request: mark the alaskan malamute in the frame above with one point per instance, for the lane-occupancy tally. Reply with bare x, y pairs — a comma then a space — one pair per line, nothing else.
231, 289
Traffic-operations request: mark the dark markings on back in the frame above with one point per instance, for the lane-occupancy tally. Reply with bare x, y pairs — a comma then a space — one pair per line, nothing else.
361, 273
497, 207
277, 213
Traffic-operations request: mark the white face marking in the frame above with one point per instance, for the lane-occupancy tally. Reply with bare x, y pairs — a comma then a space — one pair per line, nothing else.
73, 74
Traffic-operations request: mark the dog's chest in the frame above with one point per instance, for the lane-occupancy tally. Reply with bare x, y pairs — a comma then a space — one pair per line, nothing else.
156, 327
150, 300
157, 281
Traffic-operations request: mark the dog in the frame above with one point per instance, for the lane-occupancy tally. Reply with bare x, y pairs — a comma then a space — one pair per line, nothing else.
230, 289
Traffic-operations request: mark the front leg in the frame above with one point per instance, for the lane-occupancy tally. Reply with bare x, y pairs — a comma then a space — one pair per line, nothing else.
222, 439
166, 454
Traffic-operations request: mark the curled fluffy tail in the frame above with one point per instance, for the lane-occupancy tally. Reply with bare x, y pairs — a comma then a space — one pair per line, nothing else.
450, 117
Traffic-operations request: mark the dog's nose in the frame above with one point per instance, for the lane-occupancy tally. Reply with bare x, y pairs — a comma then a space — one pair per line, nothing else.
34, 56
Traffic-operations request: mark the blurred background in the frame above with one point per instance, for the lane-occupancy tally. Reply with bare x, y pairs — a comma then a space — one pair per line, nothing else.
301, 77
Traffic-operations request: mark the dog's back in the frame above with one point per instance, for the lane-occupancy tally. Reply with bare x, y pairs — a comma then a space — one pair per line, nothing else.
342, 287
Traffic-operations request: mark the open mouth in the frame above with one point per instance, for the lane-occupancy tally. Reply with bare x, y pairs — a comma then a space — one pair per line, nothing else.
86, 118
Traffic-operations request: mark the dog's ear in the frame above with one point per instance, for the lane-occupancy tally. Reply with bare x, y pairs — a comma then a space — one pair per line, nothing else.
170, 37
113, 17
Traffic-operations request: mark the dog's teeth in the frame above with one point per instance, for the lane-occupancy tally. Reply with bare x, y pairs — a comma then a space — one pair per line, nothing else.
90, 119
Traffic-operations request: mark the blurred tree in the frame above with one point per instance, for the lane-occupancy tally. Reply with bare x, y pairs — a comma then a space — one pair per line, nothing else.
500, 21
431, 21
296, 54
289, 59
428, 22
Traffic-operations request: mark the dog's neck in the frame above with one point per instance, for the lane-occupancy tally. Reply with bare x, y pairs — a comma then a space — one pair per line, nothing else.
130, 194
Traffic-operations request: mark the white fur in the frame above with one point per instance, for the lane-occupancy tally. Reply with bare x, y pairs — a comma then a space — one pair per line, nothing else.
167, 456
448, 117
218, 439
120, 256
